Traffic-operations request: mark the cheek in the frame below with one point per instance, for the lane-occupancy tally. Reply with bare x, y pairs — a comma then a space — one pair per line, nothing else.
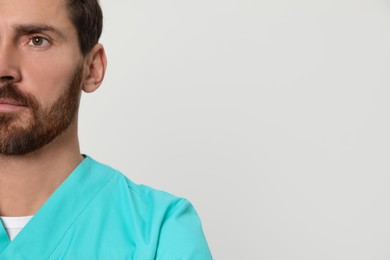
47, 80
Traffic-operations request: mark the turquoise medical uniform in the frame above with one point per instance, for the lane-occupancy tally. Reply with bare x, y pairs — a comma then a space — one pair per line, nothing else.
97, 213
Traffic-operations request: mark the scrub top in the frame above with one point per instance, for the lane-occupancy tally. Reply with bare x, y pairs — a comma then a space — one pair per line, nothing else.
98, 213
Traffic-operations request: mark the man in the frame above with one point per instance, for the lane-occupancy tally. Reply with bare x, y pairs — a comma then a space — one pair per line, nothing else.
66, 205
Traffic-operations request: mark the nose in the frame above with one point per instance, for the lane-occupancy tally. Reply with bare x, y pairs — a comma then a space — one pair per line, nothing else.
9, 64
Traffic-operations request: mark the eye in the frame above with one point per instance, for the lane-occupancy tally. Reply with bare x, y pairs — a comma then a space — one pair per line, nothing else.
38, 41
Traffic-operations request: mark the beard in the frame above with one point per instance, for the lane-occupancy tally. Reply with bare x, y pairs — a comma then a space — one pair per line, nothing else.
19, 135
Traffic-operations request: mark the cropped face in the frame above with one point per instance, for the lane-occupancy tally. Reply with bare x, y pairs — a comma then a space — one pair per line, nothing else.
41, 74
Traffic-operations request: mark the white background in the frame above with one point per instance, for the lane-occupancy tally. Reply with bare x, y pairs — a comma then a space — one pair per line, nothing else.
271, 116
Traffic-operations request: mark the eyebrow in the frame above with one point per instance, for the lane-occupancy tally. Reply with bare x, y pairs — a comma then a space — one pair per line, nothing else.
36, 28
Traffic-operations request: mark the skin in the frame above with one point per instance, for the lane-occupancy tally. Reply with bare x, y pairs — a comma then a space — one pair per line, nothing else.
41, 63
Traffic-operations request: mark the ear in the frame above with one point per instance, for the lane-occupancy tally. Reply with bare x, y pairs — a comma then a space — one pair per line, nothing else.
96, 63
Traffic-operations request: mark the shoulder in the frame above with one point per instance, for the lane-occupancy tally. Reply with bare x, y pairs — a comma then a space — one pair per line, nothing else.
118, 180
172, 219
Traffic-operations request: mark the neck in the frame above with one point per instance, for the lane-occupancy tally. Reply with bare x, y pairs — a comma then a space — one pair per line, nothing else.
27, 181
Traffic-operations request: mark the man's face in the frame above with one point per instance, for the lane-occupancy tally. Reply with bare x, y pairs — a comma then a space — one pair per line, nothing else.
41, 73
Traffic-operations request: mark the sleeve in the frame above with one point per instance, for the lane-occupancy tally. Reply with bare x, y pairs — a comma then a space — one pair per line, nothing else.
181, 236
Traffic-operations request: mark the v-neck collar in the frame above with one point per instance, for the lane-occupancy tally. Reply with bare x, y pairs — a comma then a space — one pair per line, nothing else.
42, 234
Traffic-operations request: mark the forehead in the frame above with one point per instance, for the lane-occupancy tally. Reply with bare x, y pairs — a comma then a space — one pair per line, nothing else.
52, 12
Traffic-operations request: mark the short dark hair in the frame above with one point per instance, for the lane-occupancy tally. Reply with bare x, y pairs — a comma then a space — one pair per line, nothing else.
87, 17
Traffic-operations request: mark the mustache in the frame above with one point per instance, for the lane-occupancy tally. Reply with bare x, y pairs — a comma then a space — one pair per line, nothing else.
10, 91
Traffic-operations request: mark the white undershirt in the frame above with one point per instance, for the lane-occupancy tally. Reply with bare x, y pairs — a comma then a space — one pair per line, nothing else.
13, 225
